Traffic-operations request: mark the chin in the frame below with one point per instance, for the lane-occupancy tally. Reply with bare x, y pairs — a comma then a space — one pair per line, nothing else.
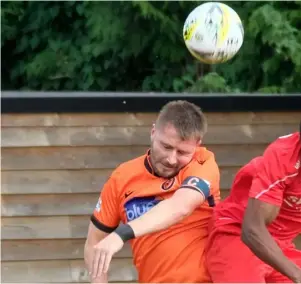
164, 172
168, 174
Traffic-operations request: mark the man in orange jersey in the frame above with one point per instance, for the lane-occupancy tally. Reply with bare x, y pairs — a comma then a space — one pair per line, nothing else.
164, 200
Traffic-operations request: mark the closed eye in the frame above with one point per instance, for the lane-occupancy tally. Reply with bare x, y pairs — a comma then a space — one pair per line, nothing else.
167, 146
183, 153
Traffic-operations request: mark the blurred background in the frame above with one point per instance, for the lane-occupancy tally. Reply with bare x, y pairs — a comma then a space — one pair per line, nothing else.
138, 46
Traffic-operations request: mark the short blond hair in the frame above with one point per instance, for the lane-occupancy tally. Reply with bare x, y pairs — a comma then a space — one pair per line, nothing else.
186, 117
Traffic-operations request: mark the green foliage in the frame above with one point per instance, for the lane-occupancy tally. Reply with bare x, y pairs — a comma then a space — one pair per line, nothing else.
269, 60
138, 46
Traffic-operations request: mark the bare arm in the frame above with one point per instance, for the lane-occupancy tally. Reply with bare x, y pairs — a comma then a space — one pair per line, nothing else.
162, 216
198, 181
93, 238
168, 212
257, 237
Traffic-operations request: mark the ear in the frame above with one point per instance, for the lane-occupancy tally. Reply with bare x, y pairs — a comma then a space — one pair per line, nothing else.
153, 130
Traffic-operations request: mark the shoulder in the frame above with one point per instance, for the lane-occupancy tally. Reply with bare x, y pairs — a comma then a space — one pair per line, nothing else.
284, 152
119, 179
125, 169
125, 173
203, 155
289, 142
203, 164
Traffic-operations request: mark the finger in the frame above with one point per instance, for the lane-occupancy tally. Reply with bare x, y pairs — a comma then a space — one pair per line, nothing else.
95, 263
102, 260
107, 263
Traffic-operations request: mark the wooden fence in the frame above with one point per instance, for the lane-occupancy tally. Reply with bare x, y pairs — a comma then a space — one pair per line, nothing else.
53, 167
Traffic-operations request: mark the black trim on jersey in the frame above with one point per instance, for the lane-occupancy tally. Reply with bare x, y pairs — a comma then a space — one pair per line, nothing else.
211, 201
147, 164
192, 187
210, 198
101, 226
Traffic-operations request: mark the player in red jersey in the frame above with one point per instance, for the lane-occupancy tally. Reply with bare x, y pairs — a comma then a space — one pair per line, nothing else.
252, 231
164, 200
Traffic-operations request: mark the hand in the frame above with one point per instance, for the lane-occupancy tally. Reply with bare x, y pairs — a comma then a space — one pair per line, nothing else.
103, 253
101, 279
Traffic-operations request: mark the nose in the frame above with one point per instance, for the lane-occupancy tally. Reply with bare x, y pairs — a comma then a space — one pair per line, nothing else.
172, 158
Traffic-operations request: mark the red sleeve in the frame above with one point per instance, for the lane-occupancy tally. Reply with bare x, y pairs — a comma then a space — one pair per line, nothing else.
203, 177
106, 215
270, 177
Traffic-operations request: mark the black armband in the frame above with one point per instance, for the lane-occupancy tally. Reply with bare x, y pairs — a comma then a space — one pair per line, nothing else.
125, 232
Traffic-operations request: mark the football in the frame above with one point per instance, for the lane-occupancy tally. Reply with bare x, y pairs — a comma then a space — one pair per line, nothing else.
213, 32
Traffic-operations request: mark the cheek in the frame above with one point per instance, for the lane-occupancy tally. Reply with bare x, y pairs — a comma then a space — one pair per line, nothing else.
184, 160
158, 152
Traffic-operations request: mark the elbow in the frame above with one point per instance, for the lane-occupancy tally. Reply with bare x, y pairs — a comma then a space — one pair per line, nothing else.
182, 205
183, 213
245, 233
249, 235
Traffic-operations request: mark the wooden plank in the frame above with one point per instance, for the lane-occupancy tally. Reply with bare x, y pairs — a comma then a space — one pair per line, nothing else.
48, 204
56, 181
127, 136
52, 227
23, 228
75, 136
139, 119
62, 271
225, 193
51, 158
49, 249
235, 155
247, 134
227, 175
67, 157
39, 227
81, 119
71, 181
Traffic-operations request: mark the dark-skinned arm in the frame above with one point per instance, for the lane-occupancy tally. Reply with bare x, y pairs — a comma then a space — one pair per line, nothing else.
256, 236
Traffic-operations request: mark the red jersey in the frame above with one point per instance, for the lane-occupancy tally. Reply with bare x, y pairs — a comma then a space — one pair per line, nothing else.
174, 254
274, 178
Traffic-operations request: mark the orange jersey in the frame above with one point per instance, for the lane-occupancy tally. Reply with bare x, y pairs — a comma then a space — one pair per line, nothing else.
175, 254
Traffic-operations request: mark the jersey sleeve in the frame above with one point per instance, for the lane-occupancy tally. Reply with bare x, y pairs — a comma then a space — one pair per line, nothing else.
203, 177
106, 215
269, 180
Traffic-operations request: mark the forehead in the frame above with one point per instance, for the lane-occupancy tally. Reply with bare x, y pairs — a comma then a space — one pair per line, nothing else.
169, 135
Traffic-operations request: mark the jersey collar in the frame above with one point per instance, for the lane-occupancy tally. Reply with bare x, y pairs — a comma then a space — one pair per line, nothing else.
148, 164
